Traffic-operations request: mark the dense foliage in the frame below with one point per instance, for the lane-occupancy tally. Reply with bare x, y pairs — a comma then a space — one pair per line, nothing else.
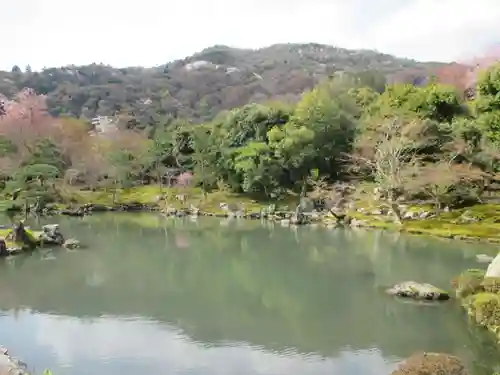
426, 140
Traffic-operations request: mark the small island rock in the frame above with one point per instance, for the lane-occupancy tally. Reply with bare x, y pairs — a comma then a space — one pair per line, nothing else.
418, 291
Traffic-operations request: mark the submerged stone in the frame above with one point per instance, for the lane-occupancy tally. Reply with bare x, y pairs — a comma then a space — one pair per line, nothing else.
431, 364
418, 291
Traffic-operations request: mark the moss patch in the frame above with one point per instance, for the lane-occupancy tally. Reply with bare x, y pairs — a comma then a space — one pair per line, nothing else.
484, 308
491, 284
33, 237
481, 298
485, 224
468, 283
149, 194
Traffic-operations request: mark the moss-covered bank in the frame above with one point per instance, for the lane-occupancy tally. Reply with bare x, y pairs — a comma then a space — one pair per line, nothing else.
478, 222
480, 296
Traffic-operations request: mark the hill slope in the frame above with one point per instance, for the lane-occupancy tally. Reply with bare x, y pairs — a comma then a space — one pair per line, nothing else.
202, 85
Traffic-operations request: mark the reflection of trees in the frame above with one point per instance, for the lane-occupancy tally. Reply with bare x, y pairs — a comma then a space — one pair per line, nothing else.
312, 290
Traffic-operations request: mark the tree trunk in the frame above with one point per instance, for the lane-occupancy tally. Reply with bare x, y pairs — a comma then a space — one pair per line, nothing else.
396, 212
394, 206
303, 190
159, 178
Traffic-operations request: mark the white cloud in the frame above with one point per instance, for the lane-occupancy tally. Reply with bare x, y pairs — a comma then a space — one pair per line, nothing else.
440, 29
162, 348
151, 32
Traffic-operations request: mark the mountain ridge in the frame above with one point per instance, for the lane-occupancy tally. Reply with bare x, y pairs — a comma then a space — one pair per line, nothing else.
199, 86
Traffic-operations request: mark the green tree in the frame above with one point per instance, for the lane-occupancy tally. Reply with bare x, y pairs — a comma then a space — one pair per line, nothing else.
293, 146
487, 103
204, 159
330, 115
433, 102
259, 167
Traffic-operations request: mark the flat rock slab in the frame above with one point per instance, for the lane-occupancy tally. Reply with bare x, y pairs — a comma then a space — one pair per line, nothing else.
418, 291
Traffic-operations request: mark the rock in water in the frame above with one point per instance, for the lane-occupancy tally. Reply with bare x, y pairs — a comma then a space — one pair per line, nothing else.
431, 364
418, 291
71, 243
52, 235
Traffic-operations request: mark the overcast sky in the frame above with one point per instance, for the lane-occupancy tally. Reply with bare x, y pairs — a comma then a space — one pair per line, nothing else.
152, 32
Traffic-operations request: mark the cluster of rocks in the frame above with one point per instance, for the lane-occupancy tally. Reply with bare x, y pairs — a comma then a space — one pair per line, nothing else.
20, 238
89, 208
284, 217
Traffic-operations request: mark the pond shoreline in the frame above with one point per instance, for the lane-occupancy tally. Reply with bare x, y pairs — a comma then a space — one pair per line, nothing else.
447, 227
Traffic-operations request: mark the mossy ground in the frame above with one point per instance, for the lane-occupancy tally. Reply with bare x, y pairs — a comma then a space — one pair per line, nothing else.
194, 196
34, 237
447, 224
486, 224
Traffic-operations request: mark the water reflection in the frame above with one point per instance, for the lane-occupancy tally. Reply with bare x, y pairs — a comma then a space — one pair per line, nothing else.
175, 296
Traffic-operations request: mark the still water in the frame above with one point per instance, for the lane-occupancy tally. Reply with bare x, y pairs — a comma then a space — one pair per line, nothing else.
152, 295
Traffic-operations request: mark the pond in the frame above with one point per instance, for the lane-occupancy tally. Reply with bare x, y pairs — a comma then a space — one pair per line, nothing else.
209, 297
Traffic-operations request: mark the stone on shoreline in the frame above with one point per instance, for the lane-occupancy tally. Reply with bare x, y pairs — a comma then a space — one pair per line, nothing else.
418, 291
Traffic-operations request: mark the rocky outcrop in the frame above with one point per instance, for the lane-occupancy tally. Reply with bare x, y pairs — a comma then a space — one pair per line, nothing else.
418, 291
431, 364
10, 365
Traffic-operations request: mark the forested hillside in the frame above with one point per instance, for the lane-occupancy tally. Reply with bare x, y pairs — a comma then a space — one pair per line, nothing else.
200, 86
419, 140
